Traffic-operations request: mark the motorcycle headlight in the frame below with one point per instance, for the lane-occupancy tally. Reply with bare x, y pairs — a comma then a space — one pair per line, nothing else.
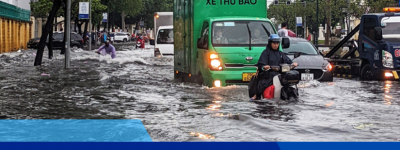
285, 68
387, 59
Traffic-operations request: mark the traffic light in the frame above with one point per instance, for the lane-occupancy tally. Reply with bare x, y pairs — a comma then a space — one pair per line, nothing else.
288, 2
276, 2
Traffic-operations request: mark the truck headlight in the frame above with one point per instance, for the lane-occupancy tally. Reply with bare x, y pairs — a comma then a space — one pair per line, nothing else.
215, 63
387, 59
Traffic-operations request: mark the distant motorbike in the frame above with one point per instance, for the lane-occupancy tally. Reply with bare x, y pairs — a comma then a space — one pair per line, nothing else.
140, 43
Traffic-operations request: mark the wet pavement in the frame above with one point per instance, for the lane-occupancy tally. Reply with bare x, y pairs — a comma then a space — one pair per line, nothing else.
137, 85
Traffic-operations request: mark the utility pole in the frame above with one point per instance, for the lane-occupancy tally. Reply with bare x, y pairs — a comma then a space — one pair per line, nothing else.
90, 25
316, 28
68, 32
328, 23
295, 16
107, 19
348, 19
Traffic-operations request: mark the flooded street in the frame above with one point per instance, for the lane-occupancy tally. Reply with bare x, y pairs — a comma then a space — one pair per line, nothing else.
137, 85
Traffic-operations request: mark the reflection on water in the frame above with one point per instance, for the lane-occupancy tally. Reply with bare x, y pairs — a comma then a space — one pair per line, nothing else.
273, 110
388, 97
138, 85
202, 136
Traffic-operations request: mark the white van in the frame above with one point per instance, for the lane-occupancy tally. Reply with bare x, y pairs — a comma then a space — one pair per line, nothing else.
164, 41
163, 34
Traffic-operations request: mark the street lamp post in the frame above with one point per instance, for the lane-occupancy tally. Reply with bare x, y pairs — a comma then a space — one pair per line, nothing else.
316, 28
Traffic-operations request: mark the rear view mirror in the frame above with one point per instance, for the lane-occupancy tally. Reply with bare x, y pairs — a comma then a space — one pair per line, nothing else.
285, 43
378, 33
152, 42
199, 43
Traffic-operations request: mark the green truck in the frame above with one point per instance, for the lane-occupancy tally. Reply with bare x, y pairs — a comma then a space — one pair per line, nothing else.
218, 42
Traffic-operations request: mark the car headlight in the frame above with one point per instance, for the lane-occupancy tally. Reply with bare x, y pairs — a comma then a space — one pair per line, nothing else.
329, 67
387, 59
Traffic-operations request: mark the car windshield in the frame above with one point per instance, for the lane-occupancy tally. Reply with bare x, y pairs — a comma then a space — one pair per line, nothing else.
303, 47
165, 36
391, 28
236, 33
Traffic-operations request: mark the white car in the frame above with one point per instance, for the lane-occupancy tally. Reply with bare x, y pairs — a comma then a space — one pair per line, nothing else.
121, 37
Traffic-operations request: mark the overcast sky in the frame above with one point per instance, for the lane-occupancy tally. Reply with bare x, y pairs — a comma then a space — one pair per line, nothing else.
24, 4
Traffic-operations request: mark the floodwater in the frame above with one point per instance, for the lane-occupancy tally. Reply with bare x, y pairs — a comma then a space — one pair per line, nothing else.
137, 85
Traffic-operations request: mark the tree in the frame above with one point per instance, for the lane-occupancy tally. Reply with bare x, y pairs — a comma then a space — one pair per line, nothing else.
123, 7
56, 5
149, 7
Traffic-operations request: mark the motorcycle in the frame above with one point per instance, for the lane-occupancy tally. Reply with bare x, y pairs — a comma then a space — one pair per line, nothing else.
138, 44
286, 82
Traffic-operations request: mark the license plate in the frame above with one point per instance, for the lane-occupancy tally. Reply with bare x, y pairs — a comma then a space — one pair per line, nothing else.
307, 76
247, 76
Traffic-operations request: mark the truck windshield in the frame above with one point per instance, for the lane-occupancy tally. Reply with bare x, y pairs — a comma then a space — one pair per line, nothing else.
391, 28
235, 33
165, 36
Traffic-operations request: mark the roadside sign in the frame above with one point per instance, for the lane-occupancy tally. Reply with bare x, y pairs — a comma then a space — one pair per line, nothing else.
142, 24
299, 21
104, 17
83, 10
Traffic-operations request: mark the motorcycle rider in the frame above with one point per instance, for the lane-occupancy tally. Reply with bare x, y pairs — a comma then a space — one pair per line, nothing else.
271, 56
140, 42
107, 48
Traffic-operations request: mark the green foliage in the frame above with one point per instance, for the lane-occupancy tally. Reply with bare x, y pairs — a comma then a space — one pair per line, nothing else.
41, 8
97, 11
149, 7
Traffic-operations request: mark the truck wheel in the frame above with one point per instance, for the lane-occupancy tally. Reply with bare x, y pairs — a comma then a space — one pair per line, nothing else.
366, 73
199, 79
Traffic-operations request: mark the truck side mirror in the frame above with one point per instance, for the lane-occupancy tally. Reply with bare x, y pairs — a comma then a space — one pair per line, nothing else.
285, 43
378, 33
199, 43
152, 42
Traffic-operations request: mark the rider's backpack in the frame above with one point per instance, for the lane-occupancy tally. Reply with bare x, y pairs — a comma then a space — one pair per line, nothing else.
253, 86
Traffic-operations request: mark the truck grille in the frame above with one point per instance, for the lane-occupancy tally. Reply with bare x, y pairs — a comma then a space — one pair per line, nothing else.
317, 72
239, 65
397, 61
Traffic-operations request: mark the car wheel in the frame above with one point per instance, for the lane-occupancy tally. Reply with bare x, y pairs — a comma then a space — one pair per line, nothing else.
125, 40
366, 73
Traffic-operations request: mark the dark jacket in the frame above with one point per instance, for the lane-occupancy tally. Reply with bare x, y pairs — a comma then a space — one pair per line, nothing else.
272, 58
